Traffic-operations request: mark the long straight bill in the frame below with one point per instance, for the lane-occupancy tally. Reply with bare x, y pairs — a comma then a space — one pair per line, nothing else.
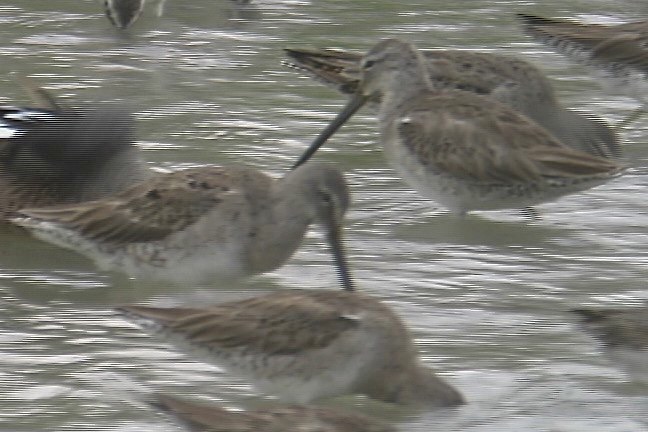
355, 103
334, 237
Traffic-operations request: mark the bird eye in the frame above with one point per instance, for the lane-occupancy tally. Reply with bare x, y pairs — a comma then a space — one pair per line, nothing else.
326, 198
367, 64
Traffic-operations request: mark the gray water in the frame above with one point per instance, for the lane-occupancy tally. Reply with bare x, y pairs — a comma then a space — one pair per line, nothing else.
487, 297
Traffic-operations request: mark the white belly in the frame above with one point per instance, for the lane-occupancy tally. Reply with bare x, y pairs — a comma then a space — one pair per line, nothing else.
462, 195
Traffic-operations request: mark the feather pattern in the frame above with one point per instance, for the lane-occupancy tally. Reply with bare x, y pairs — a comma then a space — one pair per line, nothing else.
208, 417
304, 345
616, 54
151, 210
464, 150
201, 223
512, 81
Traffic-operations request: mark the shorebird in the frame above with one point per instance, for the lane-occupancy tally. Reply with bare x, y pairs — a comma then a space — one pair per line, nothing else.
465, 151
616, 54
123, 13
209, 417
624, 334
303, 345
510, 80
58, 155
203, 223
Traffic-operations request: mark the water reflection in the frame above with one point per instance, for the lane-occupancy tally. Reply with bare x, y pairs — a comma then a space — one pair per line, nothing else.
488, 296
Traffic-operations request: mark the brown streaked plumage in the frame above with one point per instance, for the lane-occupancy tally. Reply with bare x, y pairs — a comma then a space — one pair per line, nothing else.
465, 151
201, 223
616, 54
621, 43
305, 345
624, 335
512, 81
209, 417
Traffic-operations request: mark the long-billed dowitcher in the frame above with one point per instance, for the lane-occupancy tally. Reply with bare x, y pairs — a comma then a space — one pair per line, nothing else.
616, 54
201, 223
65, 155
624, 334
209, 417
465, 151
510, 80
303, 345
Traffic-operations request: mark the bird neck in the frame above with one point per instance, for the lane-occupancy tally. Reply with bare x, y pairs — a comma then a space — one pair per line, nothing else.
406, 84
278, 237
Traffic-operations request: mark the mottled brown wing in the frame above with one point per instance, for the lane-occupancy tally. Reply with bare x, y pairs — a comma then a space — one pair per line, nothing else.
472, 137
148, 211
586, 36
479, 73
627, 49
280, 325
448, 68
284, 323
286, 418
335, 68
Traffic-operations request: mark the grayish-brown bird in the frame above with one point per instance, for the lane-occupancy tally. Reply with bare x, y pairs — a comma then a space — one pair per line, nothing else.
303, 345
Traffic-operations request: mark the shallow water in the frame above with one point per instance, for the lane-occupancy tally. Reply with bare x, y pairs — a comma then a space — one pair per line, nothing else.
487, 296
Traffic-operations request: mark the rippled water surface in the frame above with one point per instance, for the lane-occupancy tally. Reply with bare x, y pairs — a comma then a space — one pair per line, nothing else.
487, 296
